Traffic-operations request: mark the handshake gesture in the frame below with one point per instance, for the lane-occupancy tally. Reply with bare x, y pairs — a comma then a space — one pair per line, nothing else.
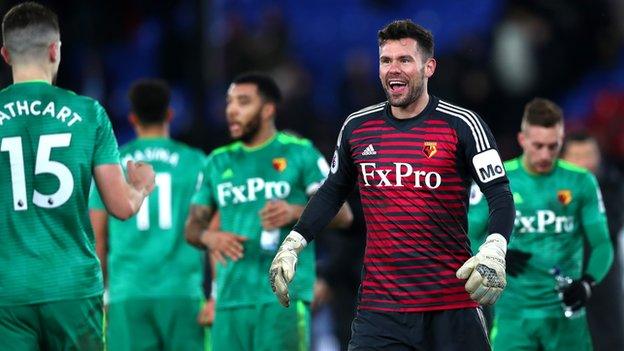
485, 271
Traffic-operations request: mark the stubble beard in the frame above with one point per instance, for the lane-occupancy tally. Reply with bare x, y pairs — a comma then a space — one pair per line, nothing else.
251, 129
412, 96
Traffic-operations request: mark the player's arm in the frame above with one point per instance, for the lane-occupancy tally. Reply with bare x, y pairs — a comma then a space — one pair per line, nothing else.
279, 213
594, 223
99, 222
320, 210
485, 271
207, 313
197, 229
124, 198
199, 234
477, 218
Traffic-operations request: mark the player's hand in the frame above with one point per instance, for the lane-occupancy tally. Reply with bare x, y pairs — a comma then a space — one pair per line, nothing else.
322, 293
206, 315
224, 244
278, 213
284, 264
141, 176
485, 271
578, 292
517, 261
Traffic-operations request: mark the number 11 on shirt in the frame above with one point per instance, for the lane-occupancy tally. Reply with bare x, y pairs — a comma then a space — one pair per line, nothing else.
163, 188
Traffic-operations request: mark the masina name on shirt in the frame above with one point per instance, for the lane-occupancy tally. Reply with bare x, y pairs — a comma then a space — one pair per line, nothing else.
38, 109
150, 154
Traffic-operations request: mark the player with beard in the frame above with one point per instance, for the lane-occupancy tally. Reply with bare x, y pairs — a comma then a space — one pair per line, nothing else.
52, 144
259, 185
413, 158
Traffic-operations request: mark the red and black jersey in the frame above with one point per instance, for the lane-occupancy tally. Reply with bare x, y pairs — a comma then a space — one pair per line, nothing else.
414, 177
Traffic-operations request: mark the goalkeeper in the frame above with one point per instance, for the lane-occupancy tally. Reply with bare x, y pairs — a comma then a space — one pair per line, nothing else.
412, 158
558, 205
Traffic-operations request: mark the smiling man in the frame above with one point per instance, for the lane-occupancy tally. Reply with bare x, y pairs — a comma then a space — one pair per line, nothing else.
413, 158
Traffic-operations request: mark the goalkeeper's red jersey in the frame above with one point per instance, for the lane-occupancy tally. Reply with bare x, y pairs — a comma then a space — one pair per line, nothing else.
414, 177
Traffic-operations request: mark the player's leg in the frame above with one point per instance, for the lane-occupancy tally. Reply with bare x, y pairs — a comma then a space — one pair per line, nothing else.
457, 330
73, 324
562, 334
208, 339
176, 319
509, 333
131, 326
233, 329
283, 329
376, 331
19, 327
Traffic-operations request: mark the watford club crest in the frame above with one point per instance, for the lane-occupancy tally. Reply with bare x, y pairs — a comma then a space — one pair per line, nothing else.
564, 197
279, 164
430, 148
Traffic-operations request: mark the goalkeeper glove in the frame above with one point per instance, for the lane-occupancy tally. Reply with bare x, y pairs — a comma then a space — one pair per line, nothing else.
284, 264
517, 261
485, 271
578, 292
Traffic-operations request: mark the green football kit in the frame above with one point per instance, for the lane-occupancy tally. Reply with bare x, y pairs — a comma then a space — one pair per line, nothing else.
238, 182
555, 213
154, 276
50, 278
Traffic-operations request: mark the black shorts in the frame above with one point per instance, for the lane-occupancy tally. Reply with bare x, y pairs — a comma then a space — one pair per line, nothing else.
449, 330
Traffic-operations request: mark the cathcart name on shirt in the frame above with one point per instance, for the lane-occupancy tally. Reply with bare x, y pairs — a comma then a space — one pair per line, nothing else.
540, 222
251, 191
402, 172
37, 108
151, 154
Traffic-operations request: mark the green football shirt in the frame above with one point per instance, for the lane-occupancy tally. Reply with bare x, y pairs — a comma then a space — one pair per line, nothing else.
552, 214
238, 181
50, 141
147, 254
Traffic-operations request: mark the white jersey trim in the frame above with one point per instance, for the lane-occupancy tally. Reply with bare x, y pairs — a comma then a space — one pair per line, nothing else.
360, 113
471, 120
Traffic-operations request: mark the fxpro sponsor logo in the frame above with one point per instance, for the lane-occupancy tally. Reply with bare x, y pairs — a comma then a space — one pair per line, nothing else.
488, 165
252, 190
543, 221
403, 174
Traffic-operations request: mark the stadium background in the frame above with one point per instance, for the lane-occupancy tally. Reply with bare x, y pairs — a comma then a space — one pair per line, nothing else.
493, 56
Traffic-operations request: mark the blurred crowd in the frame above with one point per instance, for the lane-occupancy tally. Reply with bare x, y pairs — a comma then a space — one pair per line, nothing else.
528, 48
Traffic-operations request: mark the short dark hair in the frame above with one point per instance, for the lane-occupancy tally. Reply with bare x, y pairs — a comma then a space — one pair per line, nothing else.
401, 29
149, 100
267, 88
577, 137
29, 28
541, 112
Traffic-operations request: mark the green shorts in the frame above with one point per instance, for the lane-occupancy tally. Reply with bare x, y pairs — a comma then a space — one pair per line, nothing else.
548, 334
154, 324
265, 327
60, 325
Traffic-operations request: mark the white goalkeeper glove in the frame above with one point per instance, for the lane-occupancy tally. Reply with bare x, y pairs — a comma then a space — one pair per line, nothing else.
284, 264
485, 271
